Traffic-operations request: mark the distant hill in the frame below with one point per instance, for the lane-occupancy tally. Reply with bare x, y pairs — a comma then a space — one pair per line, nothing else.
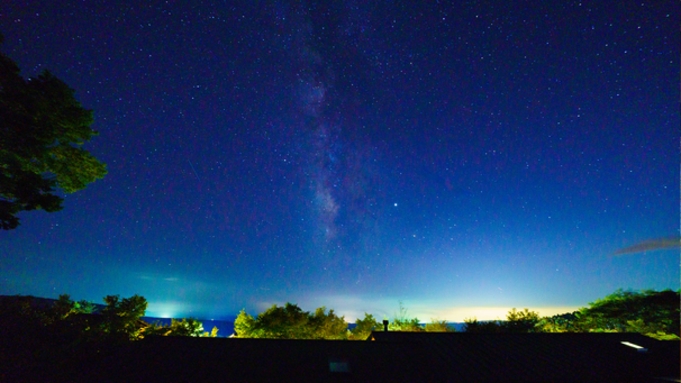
40, 303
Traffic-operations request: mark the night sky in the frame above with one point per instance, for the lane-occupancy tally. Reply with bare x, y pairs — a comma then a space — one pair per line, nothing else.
462, 159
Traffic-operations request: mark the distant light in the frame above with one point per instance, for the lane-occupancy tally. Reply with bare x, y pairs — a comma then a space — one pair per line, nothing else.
637, 347
395, 204
165, 310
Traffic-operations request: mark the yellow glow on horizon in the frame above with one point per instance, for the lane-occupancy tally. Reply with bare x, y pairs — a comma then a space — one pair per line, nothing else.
459, 314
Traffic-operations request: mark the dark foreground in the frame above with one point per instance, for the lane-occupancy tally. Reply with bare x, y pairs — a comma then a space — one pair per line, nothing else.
391, 356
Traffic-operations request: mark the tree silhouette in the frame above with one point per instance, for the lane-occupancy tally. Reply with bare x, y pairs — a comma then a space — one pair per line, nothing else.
291, 322
521, 321
649, 312
364, 327
122, 316
42, 130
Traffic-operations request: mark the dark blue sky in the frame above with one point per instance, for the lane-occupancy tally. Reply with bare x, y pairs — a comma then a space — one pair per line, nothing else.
462, 159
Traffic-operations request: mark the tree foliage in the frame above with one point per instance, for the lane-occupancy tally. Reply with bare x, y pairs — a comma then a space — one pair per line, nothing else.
287, 322
402, 322
437, 325
557, 323
364, 327
520, 321
65, 308
474, 326
42, 130
122, 317
244, 325
650, 312
180, 327
516, 322
327, 325
186, 327
68, 323
212, 334
291, 322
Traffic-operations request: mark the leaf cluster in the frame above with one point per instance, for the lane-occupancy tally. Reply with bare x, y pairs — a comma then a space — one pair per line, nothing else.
648, 312
291, 322
437, 325
42, 130
402, 322
364, 327
516, 322
181, 327
122, 317
69, 322
652, 313
558, 323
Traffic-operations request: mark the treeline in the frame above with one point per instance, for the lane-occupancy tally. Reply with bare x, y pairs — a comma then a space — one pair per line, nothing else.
68, 321
652, 313
649, 312
45, 340
291, 322
49, 338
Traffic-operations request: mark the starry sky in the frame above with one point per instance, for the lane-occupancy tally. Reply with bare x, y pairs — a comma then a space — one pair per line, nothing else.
462, 158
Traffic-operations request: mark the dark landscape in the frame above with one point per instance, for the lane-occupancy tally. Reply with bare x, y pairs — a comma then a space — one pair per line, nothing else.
340, 190
46, 340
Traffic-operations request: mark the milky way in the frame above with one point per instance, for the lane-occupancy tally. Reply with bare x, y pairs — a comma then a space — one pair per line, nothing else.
354, 154
333, 178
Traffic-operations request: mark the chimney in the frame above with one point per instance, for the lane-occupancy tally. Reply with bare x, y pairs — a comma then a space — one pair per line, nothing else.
385, 325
